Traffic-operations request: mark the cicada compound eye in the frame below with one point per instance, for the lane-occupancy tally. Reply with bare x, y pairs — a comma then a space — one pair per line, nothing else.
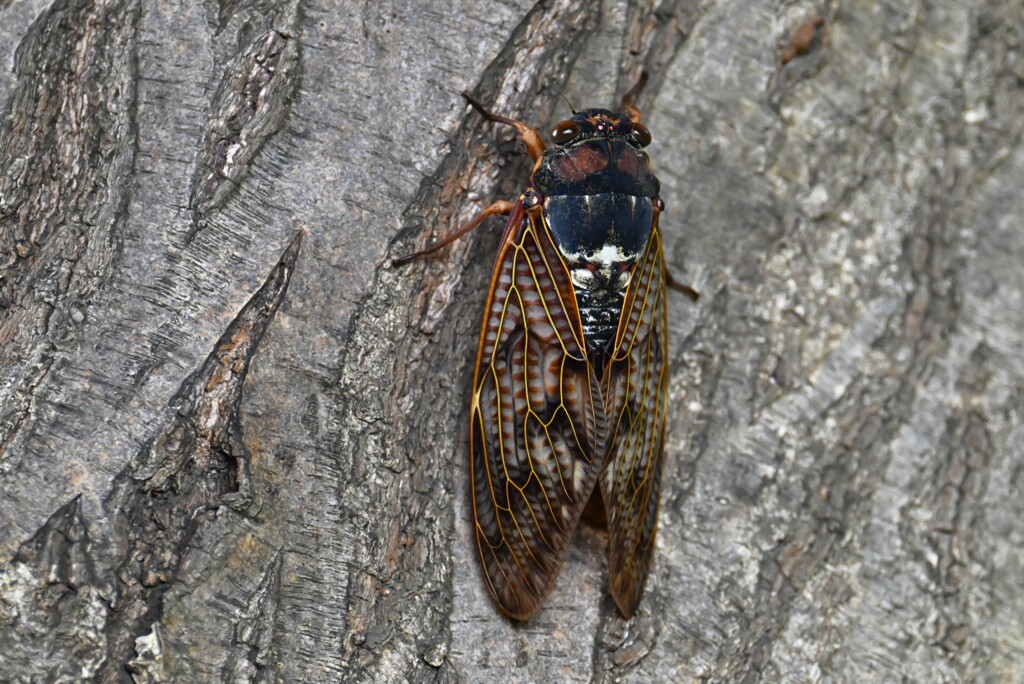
641, 135
565, 131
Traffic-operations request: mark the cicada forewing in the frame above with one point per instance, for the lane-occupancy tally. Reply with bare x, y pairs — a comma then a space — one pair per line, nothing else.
537, 428
636, 394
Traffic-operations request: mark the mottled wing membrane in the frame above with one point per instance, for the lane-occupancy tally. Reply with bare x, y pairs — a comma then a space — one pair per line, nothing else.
537, 420
636, 392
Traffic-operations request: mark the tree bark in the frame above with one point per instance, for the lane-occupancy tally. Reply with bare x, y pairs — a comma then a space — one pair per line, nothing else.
233, 439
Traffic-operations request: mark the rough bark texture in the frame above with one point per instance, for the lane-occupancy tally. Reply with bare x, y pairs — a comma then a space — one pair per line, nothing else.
233, 438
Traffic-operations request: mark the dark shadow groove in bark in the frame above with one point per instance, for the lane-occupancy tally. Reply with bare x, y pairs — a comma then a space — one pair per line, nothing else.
255, 657
65, 178
53, 603
177, 482
946, 546
655, 35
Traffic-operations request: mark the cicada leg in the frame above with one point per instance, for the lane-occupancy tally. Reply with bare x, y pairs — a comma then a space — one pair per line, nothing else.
499, 207
528, 134
680, 287
659, 206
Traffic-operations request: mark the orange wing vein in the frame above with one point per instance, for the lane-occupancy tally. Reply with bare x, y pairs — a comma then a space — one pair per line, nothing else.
636, 396
537, 420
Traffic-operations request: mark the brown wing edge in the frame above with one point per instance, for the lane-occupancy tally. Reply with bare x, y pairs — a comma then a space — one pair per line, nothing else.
628, 568
518, 590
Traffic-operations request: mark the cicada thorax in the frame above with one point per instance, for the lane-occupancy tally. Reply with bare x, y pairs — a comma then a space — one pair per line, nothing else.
599, 199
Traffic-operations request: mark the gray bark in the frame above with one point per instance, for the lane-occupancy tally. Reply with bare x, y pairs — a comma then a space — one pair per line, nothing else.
233, 438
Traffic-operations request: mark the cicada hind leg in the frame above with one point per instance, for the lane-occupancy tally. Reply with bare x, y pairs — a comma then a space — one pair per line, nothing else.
534, 147
671, 281
683, 288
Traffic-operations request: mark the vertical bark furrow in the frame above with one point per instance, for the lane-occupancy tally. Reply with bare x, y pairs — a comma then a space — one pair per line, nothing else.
178, 481
655, 32
940, 524
67, 150
52, 606
250, 105
255, 657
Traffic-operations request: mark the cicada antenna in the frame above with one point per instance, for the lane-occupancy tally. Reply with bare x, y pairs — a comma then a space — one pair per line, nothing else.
571, 108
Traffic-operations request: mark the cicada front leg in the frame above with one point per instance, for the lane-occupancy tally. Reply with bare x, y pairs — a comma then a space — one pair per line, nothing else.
534, 147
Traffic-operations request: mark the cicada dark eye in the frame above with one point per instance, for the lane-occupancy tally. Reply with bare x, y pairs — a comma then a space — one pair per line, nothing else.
641, 135
564, 132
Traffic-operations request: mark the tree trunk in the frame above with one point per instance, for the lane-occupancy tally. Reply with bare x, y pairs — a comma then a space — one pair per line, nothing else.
233, 439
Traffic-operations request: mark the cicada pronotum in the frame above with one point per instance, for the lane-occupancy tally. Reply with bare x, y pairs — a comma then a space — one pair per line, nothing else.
571, 382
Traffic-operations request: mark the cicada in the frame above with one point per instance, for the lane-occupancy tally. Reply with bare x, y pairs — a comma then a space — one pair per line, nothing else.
570, 392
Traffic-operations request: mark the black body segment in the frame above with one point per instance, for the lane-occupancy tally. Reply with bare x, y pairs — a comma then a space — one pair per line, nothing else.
600, 311
600, 238
604, 224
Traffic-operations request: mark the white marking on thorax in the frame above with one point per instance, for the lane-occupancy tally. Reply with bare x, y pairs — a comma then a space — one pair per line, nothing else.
605, 264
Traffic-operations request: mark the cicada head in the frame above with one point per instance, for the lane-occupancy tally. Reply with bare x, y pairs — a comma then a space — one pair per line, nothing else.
600, 124
594, 152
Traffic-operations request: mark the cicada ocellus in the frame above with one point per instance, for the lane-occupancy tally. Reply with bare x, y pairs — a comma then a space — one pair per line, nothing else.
571, 382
